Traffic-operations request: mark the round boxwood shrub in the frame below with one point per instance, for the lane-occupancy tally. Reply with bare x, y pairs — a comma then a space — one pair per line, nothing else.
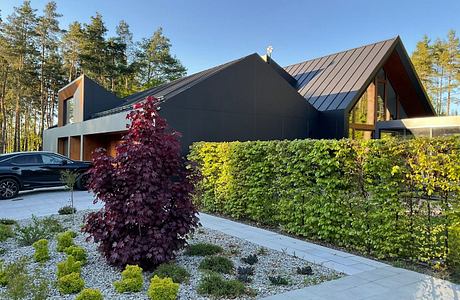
131, 280
162, 289
77, 252
70, 284
147, 193
68, 266
65, 240
89, 294
41, 250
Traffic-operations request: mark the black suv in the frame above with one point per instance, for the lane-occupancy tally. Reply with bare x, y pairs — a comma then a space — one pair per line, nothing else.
29, 170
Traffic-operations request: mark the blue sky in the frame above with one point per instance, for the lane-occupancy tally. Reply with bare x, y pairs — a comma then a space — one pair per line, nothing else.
205, 33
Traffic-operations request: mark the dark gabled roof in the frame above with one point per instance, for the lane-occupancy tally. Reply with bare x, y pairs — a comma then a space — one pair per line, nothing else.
334, 81
169, 89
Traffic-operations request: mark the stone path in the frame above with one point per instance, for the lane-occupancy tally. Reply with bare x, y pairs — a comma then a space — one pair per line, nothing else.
367, 279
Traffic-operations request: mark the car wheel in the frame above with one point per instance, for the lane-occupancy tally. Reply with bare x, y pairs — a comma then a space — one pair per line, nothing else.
9, 188
82, 182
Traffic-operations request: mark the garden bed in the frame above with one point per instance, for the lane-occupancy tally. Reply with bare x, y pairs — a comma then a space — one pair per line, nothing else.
98, 274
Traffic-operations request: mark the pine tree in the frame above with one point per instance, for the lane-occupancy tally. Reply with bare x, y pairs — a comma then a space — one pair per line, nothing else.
37, 58
423, 62
48, 32
438, 65
72, 50
127, 84
156, 63
94, 50
452, 67
20, 34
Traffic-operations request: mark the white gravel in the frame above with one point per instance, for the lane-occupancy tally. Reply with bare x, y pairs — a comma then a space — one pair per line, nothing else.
97, 274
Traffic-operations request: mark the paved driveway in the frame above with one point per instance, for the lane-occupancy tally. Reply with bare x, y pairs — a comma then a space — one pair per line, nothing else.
43, 202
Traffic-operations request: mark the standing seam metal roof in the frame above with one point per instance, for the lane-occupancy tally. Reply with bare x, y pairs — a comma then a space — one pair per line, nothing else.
167, 90
333, 81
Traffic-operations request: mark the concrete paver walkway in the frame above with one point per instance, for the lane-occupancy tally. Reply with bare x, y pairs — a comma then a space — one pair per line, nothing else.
367, 279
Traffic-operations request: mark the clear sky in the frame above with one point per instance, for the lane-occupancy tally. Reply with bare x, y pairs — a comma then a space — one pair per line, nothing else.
205, 33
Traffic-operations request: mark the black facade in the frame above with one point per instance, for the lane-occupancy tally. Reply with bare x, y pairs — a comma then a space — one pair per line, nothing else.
246, 101
253, 98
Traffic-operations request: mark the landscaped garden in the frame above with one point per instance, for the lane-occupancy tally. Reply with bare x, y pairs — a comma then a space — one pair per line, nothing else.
63, 263
146, 242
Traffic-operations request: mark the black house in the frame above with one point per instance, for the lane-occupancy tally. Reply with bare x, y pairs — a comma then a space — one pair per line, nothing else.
344, 94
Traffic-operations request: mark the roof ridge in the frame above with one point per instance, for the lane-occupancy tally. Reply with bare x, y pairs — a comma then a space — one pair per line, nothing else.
362, 46
181, 83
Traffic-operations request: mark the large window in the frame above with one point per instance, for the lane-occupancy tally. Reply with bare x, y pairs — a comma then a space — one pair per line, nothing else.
69, 106
378, 103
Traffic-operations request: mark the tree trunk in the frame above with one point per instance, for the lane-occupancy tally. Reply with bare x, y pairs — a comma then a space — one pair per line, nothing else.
3, 113
17, 123
42, 94
448, 95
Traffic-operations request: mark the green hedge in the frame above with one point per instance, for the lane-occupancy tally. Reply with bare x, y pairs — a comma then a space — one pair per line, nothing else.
386, 198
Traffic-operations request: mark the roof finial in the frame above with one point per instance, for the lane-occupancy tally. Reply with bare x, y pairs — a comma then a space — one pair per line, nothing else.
269, 51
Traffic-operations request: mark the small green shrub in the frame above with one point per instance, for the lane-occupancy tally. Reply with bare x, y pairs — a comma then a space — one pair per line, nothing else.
64, 240
131, 280
278, 280
70, 284
41, 250
6, 232
39, 229
203, 249
89, 294
177, 273
79, 253
250, 259
68, 266
162, 289
217, 264
304, 270
2, 251
67, 210
215, 285
8, 222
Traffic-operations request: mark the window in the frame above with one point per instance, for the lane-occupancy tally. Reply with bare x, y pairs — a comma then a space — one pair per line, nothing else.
380, 109
379, 102
69, 106
360, 113
28, 159
50, 159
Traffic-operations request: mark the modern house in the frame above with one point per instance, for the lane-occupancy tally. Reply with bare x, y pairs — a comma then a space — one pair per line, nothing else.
355, 93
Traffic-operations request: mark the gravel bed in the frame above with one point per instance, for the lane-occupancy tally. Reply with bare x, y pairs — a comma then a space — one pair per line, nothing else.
98, 274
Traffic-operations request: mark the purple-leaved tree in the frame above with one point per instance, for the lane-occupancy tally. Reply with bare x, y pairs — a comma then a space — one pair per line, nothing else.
147, 193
